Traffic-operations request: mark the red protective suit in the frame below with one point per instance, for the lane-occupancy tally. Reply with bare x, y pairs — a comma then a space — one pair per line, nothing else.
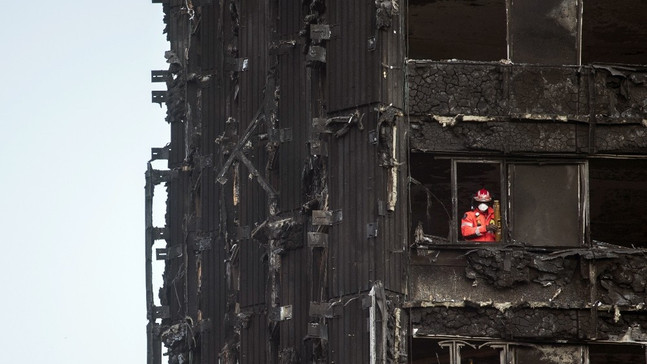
473, 225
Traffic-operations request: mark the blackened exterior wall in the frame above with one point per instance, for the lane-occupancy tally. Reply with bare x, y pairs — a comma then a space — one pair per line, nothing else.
281, 146
289, 226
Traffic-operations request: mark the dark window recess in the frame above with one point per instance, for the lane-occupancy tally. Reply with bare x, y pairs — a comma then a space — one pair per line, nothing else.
544, 31
451, 29
471, 177
480, 355
614, 32
453, 352
428, 351
545, 204
616, 354
618, 199
431, 193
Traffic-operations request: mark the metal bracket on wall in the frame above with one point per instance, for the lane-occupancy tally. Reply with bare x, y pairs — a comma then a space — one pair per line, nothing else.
281, 313
326, 217
162, 312
371, 230
160, 153
158, 97
317, 240
159, 233
381, 208
168, 253
372, 44
160, 76
236, 64
159, 176
372, 137
319, 126
317, 331
280, 135
320, 31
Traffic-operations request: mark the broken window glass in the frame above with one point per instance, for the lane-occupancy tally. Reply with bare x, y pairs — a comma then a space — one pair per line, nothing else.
618, 197
546, 204
613, 33
453, 29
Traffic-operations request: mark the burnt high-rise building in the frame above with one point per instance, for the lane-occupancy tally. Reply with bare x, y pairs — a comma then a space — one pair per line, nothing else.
323, 154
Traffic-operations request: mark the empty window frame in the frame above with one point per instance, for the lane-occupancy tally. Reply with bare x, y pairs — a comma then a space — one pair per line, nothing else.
456, 351
457, 29
435, 351
470, 178
544, 32
616, 354
541, 204
614, 32
618, 197
547, 203
443, 189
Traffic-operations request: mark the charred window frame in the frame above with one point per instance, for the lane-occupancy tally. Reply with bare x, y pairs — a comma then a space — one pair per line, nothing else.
449, 29
557, 32
464, 351
543, 203
618, 196
548, 203
614, 33
467, 350
442, 190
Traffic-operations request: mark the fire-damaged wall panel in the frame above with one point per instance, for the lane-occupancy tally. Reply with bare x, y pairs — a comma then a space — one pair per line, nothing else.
353, 243
289, 141
348, 333
352, 62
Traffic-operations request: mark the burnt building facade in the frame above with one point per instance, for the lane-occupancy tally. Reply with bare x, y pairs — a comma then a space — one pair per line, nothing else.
323, 152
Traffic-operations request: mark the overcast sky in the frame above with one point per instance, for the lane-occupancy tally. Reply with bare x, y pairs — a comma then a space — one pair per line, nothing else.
77, 127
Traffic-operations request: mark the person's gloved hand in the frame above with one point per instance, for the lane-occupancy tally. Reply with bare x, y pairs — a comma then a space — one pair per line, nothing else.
491, 228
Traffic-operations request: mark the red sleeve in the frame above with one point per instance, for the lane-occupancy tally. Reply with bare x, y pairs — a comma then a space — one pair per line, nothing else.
469, 227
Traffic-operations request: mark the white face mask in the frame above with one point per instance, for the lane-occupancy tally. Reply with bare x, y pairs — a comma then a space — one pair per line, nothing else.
483, 207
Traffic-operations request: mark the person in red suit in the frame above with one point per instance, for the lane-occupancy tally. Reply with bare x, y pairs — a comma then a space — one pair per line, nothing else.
478, 224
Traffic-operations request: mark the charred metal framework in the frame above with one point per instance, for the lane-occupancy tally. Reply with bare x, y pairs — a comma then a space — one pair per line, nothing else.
323, 151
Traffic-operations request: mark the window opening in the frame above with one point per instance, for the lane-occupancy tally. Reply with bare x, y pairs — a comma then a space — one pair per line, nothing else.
546, 204
477, 185
428, 350
431, 193
616, 354
544, 31
549, 354
613, 33
457, 29
618, 197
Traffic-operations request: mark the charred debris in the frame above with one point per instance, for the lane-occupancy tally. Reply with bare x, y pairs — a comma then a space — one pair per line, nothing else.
323, 152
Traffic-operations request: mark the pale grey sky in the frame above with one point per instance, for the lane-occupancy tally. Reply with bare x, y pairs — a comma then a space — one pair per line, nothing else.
77, 125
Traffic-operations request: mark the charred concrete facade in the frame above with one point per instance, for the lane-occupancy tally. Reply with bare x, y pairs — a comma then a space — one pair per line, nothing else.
323, 152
